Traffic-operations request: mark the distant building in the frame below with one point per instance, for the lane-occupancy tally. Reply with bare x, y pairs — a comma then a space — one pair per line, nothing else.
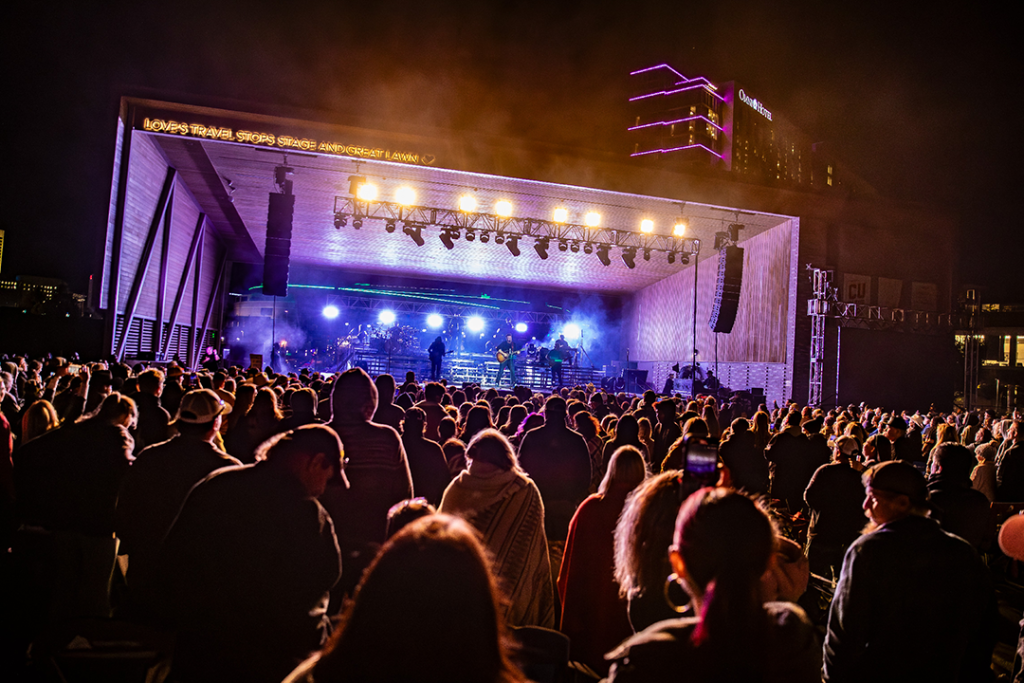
40, 295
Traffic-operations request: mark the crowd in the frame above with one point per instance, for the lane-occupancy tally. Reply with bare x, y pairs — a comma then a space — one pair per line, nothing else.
303, 527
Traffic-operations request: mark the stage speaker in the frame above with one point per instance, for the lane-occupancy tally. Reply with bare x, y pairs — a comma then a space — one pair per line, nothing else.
277, 254
727, 291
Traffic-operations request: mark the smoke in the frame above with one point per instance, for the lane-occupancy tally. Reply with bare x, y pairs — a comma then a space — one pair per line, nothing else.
255, 335
600, 331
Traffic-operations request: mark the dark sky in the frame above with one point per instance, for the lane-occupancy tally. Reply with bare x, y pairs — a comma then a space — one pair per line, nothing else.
925, 105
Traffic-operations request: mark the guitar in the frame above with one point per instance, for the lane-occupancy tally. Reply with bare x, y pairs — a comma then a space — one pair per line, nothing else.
437, 356
501, 356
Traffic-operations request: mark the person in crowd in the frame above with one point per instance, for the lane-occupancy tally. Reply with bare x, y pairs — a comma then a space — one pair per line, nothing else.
504, 504
983, 477
594, 615
387, 412
958, 508
377, 469
40, 418
746, 463
913, 602
646, 435
877, 449
557, 459
249, 561
406, 512
722, 545
173, 390
439, 623
589, 429
903, 448
477, 419
427, 464
627, 433
156, 485
153, 418
433, 392
303, 405
791, 464
666, 431
455, 456
1010, 467
834, 496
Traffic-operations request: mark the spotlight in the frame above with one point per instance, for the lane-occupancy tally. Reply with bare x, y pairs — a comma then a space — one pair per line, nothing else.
647, 254
520, 327
561, 215
435, 320
629, 257
386, 317
367, 192
446, 239
390, 226
602, 255
679, 229
331, 312
475, 324
340, 220
503, 208
470, 234
467, 203
671, 257
575, 247
512, 243
541, 247
415, 232
593, 219
647, 226
499, 238
485, 237
685, 258
588, 248
405, 195
562, 245
354, 183
571, 332
357, 223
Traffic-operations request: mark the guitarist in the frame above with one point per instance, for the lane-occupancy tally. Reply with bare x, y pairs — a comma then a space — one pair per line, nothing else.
437, 352
506, 356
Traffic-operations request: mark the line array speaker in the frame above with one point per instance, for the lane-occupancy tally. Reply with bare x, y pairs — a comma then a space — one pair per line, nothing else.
278, 250
727, 291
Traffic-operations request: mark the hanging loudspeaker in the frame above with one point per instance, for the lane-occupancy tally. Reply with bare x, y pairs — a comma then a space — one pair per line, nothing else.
279, 244
727, 291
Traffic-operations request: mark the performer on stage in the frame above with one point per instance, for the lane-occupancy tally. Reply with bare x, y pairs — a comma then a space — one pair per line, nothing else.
670, 385
437, 352
506, 356
558, 355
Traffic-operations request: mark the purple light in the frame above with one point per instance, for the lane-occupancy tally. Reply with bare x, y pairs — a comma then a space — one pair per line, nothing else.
668, 123
676, 149
659, 66
707, 86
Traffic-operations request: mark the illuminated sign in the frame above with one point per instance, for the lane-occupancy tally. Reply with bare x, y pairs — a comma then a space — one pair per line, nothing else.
196, 130
755, 105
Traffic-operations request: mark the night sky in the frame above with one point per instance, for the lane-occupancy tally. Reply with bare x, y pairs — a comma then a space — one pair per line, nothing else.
925, 104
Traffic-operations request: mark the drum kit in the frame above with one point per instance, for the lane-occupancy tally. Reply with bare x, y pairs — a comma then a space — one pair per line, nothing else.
541, 356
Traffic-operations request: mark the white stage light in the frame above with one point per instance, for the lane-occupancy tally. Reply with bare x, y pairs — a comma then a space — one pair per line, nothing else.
475, 324
571, 331
386, 317
520, 327
434, 320
331, 312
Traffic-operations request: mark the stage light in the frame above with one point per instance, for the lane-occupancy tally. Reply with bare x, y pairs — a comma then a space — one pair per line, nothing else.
571, 331
390, 225
485, 237
520, 327
563, 245
367, 192
354, 183
415, 232
593, 219
629, 257
475, 324
602, 255
357, 223
467, 203
561, 215
541, 247
405, 195
386, 317
647, 254
685, 259
340, 220
671, 257
575, 247
470, 234
647, 226
435, 320
446, 239
503, 208
331, 312
679, 229
512, 242
588, 248
499, 238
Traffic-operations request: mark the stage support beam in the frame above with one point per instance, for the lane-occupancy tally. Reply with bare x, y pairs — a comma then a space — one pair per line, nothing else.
196, 237
196, 288
209, 304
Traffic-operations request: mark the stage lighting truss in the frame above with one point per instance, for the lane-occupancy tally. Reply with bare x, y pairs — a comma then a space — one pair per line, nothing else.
509, 230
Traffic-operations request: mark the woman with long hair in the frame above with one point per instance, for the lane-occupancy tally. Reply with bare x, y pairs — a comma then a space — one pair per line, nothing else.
477, 419
495, 496
722, 545
428, 609
593, 613
590, 430
39, 418
627, 433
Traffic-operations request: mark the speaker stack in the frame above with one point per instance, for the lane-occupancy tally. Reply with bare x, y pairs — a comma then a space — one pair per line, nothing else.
727, 292
277, 254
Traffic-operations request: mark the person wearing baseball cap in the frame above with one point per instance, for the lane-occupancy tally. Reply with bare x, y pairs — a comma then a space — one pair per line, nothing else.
913, 602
